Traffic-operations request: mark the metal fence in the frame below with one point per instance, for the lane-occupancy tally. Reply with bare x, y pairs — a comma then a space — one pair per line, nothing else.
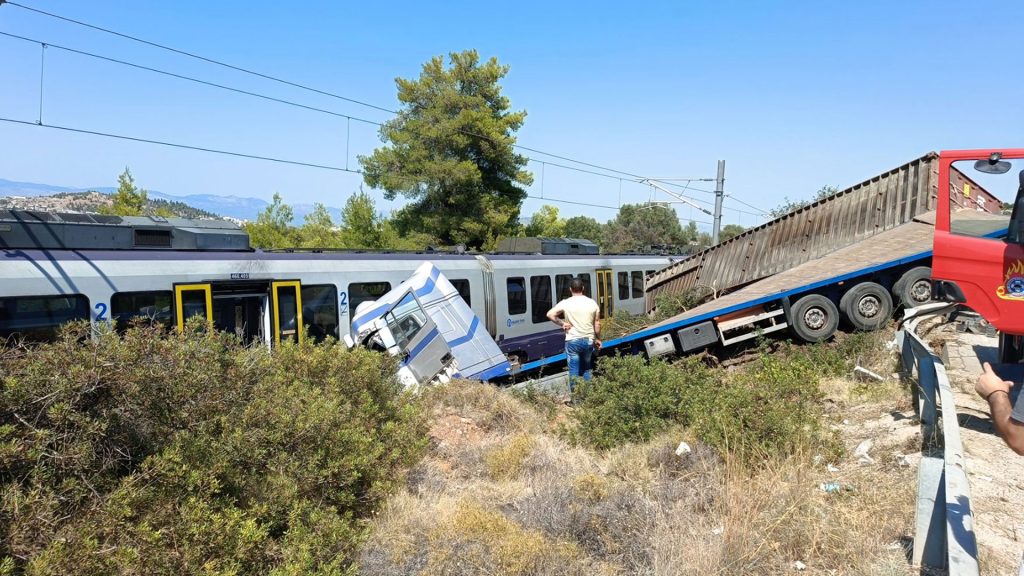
944, 529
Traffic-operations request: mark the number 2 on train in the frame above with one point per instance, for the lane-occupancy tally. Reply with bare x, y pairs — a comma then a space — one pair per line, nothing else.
344, 302
101, 312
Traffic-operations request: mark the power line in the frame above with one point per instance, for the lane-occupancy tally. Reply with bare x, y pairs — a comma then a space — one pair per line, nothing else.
290, 83
188, 78
255, 156
281, 100
203, 58
183, 146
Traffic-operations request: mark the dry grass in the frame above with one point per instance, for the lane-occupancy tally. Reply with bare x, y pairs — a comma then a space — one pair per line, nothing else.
500, 493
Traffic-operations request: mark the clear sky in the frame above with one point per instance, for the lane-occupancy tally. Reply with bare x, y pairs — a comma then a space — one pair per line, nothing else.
793, 95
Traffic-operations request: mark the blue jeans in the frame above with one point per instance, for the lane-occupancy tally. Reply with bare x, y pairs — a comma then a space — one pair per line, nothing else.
580, 355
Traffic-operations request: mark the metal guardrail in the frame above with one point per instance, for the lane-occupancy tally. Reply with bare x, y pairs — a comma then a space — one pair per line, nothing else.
944, 529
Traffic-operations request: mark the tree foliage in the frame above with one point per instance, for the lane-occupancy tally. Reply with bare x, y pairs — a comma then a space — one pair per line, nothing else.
584, 228
129, 200
272, 228
545, 222
450, 151
730, 231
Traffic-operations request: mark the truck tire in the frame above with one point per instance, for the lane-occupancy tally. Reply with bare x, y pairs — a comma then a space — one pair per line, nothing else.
914, 288
867, 306
814, 318
1011, 348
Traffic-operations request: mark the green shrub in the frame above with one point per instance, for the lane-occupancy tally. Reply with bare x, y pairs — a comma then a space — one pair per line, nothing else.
770, 407
189, 452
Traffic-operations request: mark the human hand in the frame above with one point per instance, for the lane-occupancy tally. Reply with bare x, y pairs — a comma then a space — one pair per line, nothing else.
597, 344
566, 326
990, 382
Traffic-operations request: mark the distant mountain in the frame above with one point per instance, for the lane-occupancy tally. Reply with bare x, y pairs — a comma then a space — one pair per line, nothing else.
242, 208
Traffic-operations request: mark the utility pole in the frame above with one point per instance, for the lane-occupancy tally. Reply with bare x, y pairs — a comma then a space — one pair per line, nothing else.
719, 195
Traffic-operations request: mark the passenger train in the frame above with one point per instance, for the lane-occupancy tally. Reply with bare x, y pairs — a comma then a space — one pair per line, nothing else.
61, 267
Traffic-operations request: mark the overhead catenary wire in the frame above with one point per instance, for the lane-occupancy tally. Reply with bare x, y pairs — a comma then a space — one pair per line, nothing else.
214, 61
285, 82
248, 155
349, 118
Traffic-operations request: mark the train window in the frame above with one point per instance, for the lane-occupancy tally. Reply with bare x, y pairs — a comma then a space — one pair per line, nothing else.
36, 318
624, 285
516, 288
638, 284
540, 298
463, 287
156, 307
359, 292
562, 285
320, 311
405, 321
586, 285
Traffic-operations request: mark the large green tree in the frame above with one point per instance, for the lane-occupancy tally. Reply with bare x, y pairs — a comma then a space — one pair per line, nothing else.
450, 152
272, 226
584, 228
545, 222
129, 200
638, 227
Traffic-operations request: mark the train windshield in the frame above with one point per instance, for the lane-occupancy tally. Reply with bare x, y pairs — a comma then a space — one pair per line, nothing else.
405, 321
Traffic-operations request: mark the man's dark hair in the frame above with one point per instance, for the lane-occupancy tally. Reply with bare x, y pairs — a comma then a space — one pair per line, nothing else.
576, 285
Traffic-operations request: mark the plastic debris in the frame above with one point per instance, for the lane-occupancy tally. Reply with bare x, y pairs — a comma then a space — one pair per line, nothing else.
830, 487
718, 530
832, 468
902, 461
799, 566
862, 452
867, 374
683, 449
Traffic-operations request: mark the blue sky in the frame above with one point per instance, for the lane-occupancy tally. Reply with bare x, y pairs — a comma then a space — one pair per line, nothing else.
793, 95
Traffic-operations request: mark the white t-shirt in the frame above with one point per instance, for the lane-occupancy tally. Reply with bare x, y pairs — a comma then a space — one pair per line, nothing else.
580, 311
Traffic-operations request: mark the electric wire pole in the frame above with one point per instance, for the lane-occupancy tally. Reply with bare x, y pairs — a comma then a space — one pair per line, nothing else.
719, 195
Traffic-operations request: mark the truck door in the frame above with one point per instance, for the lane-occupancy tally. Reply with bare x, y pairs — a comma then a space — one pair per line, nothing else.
421, 348
605, 298
975, 260
192, 300
286, 308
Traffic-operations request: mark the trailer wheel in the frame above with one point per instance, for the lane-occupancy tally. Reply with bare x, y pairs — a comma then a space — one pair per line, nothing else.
866, 306
814, 318
914, 288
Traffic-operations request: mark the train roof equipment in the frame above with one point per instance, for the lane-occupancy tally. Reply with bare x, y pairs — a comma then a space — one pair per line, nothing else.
32, 230
548, 246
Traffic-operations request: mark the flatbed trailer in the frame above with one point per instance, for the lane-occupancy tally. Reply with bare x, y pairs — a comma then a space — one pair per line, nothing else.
859, 284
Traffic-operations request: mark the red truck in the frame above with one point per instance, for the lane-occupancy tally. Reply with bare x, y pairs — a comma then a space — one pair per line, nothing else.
978, 257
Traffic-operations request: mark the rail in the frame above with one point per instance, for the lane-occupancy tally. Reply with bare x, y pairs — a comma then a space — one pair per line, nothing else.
944, 528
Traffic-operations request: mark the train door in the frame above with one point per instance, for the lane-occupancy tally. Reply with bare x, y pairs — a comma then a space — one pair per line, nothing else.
192, 300
286, 299
605, 297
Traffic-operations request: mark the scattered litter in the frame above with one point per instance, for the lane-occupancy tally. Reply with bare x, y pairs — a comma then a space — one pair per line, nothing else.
832, 468
799, 566
683, 449
718, 530
817, 459
902, 461
830, 487
985, 478
867, 374
846, 422
862, 452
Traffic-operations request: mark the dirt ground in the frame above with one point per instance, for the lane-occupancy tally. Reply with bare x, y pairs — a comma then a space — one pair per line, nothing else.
995, 473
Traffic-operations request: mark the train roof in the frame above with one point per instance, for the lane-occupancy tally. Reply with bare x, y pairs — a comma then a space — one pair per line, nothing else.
27, 229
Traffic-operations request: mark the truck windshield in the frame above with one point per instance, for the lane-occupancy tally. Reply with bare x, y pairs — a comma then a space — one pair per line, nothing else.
405, 321
981, 203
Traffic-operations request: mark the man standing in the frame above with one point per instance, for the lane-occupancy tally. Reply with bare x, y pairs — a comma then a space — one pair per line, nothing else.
582, 329
1007, 418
